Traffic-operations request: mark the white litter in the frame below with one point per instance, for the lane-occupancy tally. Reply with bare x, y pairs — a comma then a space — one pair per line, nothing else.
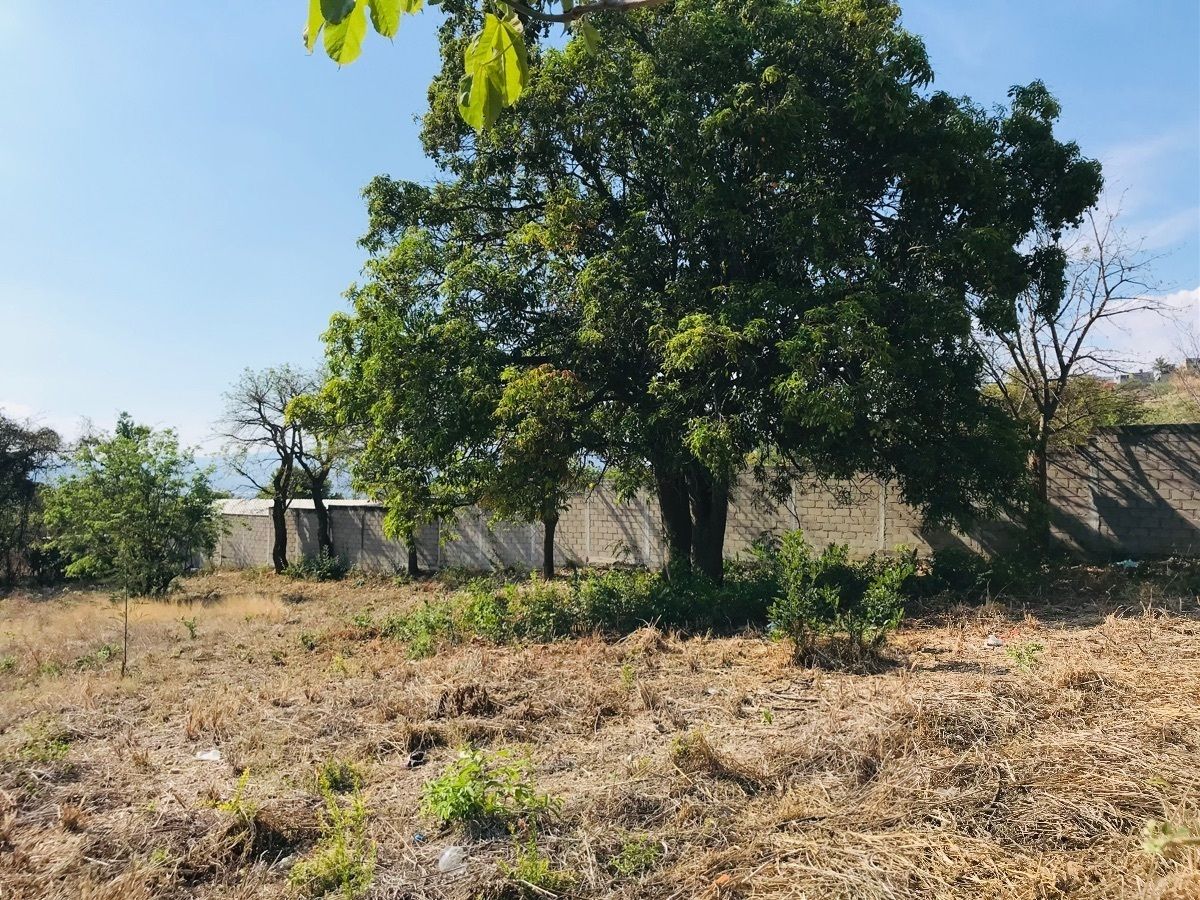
993, 642
452, 861
213, 755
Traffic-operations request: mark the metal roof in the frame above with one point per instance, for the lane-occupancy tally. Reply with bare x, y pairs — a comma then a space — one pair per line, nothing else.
238, 506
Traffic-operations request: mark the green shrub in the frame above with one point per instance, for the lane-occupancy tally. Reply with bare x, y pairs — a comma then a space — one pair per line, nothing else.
833, 607
534, 874
959, 571
338, 776
424, 628
344, 857
1025, 656
484, 612
98, 657
637, 855
325, 566
482, 789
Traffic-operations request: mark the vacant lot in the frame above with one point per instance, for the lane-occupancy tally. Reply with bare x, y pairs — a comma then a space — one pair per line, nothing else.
687, 766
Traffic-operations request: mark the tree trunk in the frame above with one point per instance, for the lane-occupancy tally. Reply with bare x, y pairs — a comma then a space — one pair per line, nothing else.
324, 534
279, 528
414, 568
1041, 484
672, 492
710, 511
549, 523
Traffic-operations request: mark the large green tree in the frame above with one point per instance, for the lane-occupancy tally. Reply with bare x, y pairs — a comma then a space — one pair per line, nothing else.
135, 509
753, 236
26, 454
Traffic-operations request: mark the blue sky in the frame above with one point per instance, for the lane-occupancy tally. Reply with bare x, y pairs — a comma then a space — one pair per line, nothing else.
179, 188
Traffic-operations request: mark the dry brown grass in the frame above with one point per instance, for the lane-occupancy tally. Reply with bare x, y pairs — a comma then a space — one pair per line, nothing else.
953, 774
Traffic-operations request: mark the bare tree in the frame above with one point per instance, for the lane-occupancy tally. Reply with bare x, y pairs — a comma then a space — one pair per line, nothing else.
257, 432
1053, 353
321, 449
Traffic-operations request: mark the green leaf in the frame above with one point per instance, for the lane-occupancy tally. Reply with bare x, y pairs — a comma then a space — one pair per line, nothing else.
412, 6
587, 31
335, 11
343, 42
496, 69
385, 15
316, 21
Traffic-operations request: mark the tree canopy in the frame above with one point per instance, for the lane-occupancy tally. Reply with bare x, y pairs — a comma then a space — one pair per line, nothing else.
26, 454
749, 236
135, 509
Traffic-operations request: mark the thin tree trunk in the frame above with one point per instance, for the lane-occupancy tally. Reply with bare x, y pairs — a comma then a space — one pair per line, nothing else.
1041, 484
279, 528
324, 533
672, 492
549, 523
710, 511
414, 568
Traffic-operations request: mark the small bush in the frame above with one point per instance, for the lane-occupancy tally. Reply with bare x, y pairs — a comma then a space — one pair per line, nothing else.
637, 855
98, 657
1025, 656
835, 608
338, 776
344, 857
45, 744
324, 566
958, 571
482, 789
423, 628
534, 873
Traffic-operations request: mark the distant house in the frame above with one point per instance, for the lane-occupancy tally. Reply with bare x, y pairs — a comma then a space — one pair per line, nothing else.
1136, 378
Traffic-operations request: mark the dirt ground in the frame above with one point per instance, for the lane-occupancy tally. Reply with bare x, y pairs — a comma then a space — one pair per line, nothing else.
959, 771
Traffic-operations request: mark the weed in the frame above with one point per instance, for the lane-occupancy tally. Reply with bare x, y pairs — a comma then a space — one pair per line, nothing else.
637, 855
339, 777
628, 676
8, 663
45, 744
190, 625
324, 566
364, 621
308, 641
344, 857
237, 805
1025, 656
481, 789
768, 716
51, 668
534, 873
97, 658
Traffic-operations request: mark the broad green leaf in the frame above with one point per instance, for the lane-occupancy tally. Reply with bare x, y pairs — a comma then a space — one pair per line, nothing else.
591, 37
385, 15
335, 11
343, 42
412, 6
496, 69
316, 21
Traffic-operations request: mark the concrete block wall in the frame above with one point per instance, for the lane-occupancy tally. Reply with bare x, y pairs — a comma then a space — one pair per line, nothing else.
1132, 491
